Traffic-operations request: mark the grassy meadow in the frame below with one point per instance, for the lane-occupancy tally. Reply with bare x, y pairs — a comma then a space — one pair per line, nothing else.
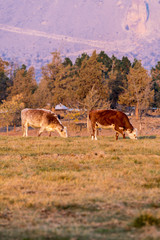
75, 188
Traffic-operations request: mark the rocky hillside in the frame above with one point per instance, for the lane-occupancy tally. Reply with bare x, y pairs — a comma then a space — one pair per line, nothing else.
31, 29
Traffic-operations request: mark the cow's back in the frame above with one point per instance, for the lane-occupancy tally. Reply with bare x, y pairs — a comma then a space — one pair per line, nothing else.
33, 117
103, 117
39, 117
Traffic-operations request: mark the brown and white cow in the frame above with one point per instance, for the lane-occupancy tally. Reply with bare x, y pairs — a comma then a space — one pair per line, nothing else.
43, 119
111, 119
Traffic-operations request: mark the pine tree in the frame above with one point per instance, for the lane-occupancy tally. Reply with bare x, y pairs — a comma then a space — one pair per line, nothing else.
67, 61
90, 74
65, 86
115, 87
80, 59
46, 90
106, 61
138, 93
125, 65
24, 83
4, 79
155, 73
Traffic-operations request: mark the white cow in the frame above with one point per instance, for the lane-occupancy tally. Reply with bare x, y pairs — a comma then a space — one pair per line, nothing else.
42, 119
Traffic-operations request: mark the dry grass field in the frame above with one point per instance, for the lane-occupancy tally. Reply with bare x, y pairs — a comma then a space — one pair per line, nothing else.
78, 189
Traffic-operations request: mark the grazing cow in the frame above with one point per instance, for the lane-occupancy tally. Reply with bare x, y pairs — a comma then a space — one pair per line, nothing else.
111, 119
43, 119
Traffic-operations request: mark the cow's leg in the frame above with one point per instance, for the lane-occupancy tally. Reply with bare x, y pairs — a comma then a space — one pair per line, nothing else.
117, 134
97, 129
25, 129
40, 131
94, 131
124, 136
118, 130
95, 135
49, 134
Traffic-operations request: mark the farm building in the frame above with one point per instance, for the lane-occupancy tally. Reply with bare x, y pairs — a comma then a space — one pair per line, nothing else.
61, 107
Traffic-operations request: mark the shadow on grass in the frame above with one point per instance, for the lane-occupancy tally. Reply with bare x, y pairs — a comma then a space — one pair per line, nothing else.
147, 137
73, 206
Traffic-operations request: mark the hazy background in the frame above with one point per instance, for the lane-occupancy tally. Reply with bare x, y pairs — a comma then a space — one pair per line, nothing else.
31, 29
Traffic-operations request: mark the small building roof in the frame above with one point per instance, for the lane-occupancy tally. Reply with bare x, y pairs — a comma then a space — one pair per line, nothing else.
61, 107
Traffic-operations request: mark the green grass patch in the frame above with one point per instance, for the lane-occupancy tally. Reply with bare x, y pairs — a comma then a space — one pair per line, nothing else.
153, 182
146, 219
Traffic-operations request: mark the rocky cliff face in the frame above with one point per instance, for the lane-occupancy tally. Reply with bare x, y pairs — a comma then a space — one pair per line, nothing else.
31, 29
137, 17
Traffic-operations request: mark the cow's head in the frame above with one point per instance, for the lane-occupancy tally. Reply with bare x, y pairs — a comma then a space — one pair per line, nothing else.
62, 131
55, 124
132, 134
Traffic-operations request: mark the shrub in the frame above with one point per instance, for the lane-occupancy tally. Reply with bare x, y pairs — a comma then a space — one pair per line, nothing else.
146, 219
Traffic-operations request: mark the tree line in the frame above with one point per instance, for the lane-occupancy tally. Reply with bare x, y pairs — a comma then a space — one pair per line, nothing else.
95, 81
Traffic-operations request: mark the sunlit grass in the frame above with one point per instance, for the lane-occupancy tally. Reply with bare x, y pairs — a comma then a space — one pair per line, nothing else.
75, 188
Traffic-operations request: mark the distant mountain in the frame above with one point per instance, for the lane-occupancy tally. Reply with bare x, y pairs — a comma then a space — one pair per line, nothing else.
31, 29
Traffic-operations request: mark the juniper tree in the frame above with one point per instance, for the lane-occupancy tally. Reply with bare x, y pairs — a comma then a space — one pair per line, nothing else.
90, 74
4, 79
46, 89
24, 83
155, 73
138, 92
66, 86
